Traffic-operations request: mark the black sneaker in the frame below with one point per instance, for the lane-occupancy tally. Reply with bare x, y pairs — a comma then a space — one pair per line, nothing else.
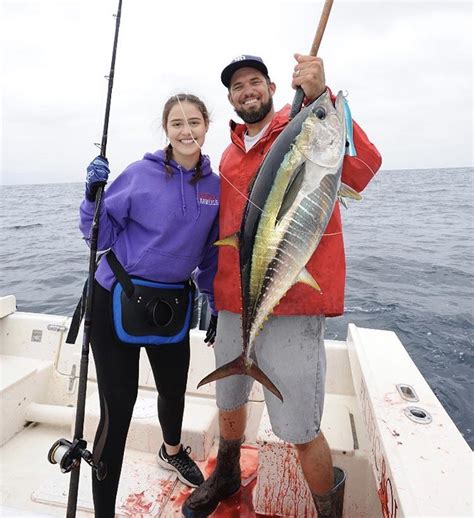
185, 467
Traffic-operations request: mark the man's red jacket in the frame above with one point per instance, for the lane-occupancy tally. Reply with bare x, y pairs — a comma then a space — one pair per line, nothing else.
327, 265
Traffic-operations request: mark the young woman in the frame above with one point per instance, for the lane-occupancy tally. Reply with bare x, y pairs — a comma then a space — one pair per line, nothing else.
159, 220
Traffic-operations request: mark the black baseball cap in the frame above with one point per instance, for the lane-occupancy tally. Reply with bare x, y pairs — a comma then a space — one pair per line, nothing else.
241, 62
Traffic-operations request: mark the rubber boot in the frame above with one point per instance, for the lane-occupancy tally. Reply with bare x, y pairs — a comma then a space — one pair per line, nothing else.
224, 482
331, 503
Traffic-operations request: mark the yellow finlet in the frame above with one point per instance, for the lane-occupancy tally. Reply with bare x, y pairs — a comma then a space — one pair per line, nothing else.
306, 278
232, 241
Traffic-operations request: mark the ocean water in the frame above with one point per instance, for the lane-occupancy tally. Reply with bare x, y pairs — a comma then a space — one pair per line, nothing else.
410, 263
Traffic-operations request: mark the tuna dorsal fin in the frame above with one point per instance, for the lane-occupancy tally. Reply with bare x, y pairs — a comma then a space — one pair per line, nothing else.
233, 241
292, 190
306, 278
348, 192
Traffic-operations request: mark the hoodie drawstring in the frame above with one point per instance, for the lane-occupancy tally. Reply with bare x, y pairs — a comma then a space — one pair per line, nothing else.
183, 201
197, 201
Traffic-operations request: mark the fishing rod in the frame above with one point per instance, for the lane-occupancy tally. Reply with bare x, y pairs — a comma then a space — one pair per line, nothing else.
63, 452
299, 95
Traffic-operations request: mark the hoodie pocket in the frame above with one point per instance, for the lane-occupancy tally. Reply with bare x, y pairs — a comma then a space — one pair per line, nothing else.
157, 265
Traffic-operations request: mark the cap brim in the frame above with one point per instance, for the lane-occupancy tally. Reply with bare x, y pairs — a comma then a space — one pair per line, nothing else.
229, 70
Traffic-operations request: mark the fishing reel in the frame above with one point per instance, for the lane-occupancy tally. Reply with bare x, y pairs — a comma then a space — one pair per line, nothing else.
69, 454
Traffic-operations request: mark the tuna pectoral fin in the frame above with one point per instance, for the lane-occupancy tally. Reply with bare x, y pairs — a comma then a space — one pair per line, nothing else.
242, 365
348, 192
232, 241
306, 278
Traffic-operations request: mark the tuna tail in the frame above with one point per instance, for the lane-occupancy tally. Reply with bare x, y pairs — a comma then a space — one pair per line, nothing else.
242, 365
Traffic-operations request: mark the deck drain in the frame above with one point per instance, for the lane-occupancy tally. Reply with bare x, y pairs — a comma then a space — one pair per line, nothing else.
418, 415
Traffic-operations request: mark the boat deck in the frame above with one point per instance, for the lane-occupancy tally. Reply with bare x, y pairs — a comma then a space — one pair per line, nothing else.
145, 489
384, 425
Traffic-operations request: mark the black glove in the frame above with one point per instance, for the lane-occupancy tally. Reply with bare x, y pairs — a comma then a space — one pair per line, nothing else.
211, 330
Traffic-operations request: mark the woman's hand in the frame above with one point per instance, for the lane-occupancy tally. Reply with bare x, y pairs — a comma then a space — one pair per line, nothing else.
97, 175
211, 331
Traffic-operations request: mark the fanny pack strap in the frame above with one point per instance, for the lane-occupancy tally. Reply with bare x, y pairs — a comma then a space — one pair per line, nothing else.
123, 279
120, 273
77, 317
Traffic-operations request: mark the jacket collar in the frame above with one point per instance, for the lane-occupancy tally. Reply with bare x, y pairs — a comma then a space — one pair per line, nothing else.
279, 121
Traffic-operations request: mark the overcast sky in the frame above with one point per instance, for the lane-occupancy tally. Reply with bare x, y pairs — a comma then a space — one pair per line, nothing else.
407, 67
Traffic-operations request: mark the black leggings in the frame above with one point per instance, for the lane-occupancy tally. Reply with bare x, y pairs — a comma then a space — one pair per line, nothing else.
117, 378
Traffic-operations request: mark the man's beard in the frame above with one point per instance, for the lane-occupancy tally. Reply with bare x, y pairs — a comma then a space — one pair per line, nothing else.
258, 115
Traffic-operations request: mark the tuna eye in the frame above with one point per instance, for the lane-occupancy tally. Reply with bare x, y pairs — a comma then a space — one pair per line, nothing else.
320, 113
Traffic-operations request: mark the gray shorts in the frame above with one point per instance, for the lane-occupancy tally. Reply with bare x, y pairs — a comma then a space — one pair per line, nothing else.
290, 351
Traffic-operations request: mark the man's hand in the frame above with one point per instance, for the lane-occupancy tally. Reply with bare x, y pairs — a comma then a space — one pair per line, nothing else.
309, 74
211, 330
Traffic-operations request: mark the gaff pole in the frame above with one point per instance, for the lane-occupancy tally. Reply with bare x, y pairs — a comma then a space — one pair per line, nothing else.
84, 365
299, 95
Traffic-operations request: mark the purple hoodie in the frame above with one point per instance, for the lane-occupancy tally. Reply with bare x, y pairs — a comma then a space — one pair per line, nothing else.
160, 226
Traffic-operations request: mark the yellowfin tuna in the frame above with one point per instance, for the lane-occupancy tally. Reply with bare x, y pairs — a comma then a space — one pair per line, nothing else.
290, 204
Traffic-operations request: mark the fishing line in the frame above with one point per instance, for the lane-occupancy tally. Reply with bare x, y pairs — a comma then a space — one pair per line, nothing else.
366, 165
220, 174
259, 208
241, 193
186, 121
246, 198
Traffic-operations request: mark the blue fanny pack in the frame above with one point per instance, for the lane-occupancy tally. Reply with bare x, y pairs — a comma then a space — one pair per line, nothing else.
148, 312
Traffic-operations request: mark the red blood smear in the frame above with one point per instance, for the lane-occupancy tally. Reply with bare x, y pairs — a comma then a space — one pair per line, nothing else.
179, 499
239, 505
135, 503
208, 467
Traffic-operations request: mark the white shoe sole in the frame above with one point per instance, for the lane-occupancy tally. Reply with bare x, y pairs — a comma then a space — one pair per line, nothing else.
169, 467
